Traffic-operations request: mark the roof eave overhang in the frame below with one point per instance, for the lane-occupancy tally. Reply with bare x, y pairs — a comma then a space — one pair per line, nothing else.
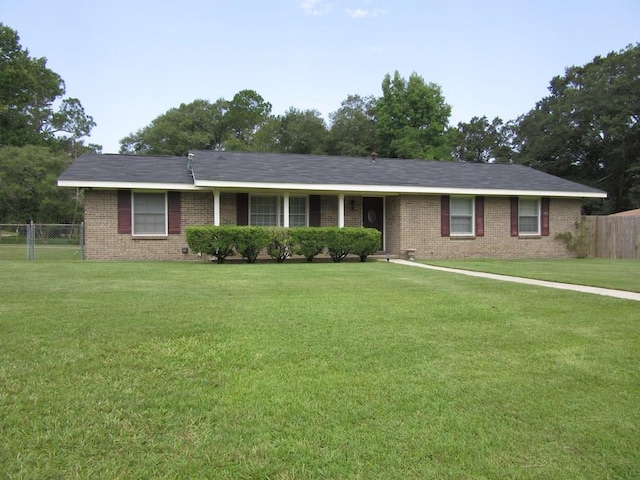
126, 185
394, 189
336, 188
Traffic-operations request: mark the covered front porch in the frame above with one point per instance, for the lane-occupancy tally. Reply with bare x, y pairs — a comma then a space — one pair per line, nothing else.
309, 209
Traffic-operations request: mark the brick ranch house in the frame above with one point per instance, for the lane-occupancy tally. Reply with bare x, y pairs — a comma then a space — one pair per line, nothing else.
138, 207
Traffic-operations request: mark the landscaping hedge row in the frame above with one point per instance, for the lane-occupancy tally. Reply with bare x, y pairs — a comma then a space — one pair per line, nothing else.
280, 243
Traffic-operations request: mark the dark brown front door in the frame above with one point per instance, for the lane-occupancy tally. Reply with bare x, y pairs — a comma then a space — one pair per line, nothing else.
373, 215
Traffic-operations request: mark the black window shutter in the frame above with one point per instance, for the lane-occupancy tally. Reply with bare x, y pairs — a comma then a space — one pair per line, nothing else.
514, 216
124, 211
173, 202
445, 229
544, 224
242, 209
479, 216
314, 210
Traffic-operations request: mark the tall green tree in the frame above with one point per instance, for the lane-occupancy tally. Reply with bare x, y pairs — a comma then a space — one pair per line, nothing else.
482, 141
202, 125
248, 111
37, 141
199, 125
353, 127
587, 129
297, 131
412, 118
28, 189
302, 131
28, 90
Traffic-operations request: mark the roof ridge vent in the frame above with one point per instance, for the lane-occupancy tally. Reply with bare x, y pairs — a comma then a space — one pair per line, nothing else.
189, 162
374, 156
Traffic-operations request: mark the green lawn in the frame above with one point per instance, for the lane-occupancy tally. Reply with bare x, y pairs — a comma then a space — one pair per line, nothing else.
305, 371
42, 252
596, 272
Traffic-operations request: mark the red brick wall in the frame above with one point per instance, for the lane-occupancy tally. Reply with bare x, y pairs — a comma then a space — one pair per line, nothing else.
411, 222
102, 241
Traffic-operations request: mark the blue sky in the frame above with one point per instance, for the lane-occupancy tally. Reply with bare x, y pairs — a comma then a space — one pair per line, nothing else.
130, 61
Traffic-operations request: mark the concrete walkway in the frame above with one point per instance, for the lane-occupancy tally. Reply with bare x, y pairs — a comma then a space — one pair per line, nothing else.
541, 283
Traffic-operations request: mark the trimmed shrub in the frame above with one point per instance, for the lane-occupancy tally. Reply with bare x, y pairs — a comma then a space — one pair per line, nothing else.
338, 243
364, 242
215, 241
280, 244
308, 241
578, 243
250, 241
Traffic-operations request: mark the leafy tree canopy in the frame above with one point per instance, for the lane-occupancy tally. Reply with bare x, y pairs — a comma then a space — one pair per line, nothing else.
412, 119
40, 134
28, 189
302, 131
482, 141
248, 111
353, 127
587, 128
28, 90
199, 125
297, 131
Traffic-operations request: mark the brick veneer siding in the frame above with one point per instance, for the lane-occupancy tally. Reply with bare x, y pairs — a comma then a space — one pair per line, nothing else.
228, 214
413, 222
328, 211
102, 241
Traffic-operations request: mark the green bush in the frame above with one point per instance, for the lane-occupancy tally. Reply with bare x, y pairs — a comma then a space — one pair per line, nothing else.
578, 243
364, 242
338, 243
308, 241
280, 243
216, 241
250, 241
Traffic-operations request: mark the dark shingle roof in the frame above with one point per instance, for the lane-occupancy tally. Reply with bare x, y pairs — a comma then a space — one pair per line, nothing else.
271, 168
95, 167
332, 170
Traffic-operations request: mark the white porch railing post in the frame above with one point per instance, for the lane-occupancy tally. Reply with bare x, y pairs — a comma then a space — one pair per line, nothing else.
216, 208
341, 210
285, 210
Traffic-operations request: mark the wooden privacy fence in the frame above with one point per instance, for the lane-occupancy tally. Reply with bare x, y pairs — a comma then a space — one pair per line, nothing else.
613, 237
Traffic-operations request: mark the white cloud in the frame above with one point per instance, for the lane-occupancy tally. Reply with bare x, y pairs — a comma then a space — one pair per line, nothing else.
361, 12
315, 7
324, 7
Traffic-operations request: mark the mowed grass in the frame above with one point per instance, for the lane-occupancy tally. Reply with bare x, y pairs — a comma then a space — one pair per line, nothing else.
619, 274
42, 252
305, 371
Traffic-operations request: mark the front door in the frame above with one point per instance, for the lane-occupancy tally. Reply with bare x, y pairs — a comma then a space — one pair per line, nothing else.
373, 215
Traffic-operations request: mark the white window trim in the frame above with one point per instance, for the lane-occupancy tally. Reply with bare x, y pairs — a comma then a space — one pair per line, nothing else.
280, 206
306, 208
133, 215
473, 218
538, 231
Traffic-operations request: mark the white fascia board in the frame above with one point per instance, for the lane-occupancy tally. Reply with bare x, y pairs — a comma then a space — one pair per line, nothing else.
395, 189
126, 185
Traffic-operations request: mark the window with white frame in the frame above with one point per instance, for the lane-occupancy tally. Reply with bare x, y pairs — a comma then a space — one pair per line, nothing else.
461, 215
297, 211
264, 211
149, 213
269, 211
529, 216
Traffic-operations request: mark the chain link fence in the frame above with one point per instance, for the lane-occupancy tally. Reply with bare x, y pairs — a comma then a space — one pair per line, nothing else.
40, 241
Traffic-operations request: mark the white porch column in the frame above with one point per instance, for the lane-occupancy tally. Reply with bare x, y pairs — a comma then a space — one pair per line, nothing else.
341, 210
216, 208
285, 210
